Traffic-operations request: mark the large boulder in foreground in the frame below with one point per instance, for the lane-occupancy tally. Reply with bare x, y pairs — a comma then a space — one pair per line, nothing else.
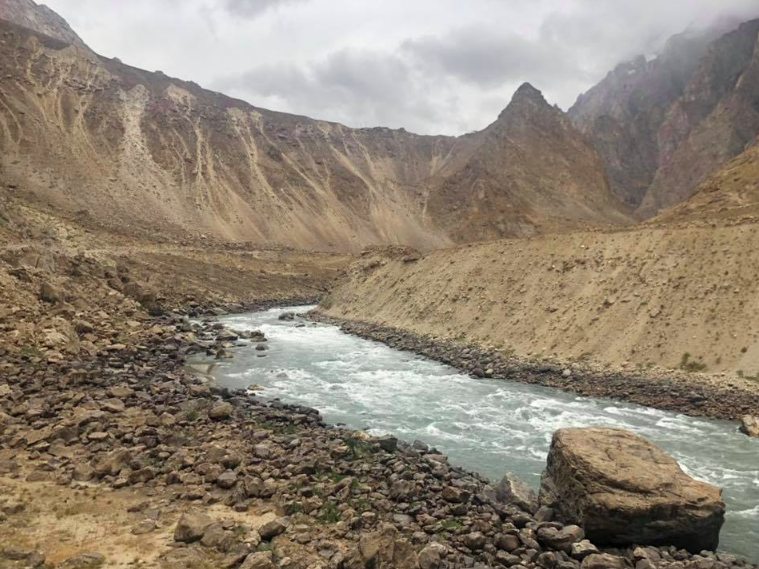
623, 490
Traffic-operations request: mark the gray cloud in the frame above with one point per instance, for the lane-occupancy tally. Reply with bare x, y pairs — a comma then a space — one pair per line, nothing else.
488, 57
428, 65
357, 87
254, 8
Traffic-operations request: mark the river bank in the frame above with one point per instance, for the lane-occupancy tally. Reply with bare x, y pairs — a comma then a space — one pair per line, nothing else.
670, 391
484, 426
113, 454
213, 477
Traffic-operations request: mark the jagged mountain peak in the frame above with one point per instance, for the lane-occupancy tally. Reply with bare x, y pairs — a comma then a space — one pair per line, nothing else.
525, 99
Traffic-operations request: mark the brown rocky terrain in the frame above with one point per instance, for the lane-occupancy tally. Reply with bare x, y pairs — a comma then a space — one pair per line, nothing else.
131, 201
135, 150
729, 196
530, 161
663, 126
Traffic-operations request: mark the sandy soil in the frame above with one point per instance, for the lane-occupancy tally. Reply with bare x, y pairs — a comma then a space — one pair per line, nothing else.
672, 298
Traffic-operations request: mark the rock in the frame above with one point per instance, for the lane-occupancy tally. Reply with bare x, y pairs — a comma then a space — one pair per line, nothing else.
227, 480
220, 411
84, 561
218, 538
561, 539
83, 327
582, 549
143, 527
288, 316
385, 549
431, 556
507, 542
16, 554
113, 463
273, 528
750, 426
50, 294
191, 526
388, 444
260, 560
512, 490
621, 490
603, 561
113, 406
455, 495
475, 540
83, 472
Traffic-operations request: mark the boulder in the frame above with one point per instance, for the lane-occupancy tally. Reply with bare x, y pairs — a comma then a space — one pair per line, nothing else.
512, 490
259, 560
621, 490
750, 426
84, 561
192, 526
560, 539
604, 561
274, 528
50, 294
113, 463
221, 411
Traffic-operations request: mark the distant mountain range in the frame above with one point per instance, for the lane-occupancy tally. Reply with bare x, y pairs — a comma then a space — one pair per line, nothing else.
143, 153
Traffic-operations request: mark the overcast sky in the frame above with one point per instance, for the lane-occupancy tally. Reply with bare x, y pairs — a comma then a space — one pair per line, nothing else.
431, 66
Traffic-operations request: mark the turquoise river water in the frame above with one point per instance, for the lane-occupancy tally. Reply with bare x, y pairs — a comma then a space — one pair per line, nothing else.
487, 426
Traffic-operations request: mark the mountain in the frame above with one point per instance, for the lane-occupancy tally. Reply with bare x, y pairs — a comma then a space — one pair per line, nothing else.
662, 126
39, 18
530, 169
715, 120
142, 153
730, 195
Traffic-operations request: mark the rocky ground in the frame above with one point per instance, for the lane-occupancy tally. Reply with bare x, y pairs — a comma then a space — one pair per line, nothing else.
672, 391
124, 458
114, 454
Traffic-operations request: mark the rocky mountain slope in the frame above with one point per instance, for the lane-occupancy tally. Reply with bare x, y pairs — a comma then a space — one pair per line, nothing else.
729, 196
527, 171
663, 126
136, 151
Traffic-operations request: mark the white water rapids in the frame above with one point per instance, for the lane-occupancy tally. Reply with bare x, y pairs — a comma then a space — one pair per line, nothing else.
488, 426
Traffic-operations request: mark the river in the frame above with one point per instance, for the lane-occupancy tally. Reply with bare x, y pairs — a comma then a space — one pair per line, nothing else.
487, 426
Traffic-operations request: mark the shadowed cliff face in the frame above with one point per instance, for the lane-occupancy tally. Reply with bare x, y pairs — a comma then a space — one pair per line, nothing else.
665, 125
715, 120
140, 152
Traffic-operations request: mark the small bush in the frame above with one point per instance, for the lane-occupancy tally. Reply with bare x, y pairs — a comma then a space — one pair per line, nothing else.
691, 366
329, 514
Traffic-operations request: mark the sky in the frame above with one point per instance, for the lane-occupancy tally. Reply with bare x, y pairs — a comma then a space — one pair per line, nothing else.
430, 66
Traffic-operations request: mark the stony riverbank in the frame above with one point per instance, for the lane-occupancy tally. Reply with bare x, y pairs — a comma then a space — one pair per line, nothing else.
671, 391
227, 480
114, 454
